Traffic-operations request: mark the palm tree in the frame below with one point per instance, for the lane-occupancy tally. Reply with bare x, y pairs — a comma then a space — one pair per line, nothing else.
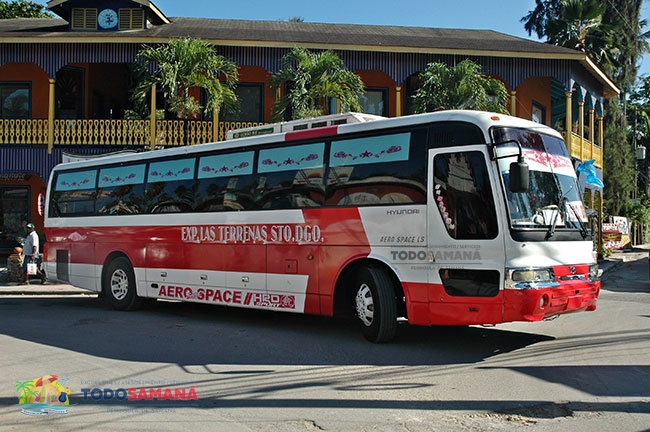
310, 79
538, 18
25, 391
458, 87
181, 65
580, 26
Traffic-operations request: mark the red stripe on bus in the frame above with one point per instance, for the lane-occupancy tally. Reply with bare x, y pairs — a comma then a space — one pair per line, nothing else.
226, 247
311, 133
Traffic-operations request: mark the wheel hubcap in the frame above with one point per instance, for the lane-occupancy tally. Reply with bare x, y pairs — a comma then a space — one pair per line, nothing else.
119, 284
365, 305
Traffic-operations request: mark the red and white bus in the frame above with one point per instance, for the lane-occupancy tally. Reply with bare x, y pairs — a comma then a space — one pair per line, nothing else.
447, 218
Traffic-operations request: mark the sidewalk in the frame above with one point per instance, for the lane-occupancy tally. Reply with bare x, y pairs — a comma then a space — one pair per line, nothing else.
35, 287
618, 257
638, 252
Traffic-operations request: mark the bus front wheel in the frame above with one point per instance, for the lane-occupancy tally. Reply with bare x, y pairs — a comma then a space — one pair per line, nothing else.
375, 304
119, 285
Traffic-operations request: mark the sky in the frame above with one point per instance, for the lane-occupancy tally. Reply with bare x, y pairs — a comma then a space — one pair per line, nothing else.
501, 15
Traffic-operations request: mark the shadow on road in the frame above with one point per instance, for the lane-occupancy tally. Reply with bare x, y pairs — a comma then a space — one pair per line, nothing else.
191, 334
236, 358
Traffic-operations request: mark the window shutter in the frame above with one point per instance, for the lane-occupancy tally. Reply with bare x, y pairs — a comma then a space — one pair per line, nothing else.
131, 19
84, 19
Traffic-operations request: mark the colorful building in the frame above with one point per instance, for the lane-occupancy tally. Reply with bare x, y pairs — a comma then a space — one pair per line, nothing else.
65, 84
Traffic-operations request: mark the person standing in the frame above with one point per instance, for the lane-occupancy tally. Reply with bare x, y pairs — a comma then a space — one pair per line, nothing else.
31, 249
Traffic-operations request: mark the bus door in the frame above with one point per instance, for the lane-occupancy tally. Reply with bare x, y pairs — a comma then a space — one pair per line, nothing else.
465, 239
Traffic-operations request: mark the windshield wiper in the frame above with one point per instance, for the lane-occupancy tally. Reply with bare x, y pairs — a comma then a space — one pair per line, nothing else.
561, 211
583, 226
561, 208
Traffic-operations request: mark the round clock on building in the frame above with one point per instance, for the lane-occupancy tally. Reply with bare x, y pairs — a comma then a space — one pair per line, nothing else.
107, 19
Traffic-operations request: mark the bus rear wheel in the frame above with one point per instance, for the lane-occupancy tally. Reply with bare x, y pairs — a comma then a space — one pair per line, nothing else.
119, 285
375, 304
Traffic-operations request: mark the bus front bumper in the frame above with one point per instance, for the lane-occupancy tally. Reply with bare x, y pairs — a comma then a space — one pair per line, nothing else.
539, 304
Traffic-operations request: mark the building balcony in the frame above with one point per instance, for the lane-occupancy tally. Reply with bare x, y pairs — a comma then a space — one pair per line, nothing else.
583, 149
115, 132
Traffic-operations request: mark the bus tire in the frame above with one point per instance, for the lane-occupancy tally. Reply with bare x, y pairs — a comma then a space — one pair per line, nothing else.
119, 285
375, 304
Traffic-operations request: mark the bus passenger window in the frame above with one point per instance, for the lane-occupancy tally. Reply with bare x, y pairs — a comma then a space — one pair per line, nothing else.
291, 177
225, 182
74, 194
463, 195
378, 170
170, 186
121, 190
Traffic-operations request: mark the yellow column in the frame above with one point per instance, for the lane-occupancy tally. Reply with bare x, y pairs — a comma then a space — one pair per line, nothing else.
215, 124
599, 204
601, 131
601, 142
152, 119
398, 101
568, 120
581, 128
513, 103
50, 117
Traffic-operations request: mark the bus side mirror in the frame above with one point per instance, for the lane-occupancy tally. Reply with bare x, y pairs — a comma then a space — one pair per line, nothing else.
519, 176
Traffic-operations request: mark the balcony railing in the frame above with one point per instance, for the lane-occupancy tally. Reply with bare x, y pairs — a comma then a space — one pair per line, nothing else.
172, 133
583, 149
115, 132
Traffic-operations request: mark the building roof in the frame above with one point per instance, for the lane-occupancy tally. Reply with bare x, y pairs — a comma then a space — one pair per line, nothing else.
290, 33
307, 34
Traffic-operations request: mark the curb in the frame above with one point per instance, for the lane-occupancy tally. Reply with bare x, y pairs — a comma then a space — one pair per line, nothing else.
4, 293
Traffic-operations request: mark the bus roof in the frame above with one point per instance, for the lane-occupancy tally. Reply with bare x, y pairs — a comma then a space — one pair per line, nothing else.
303, 124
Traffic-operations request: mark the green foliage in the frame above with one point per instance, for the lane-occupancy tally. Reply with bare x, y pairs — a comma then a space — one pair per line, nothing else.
580, 26
130, 114
619, 160
310, 79
458, 87
640, 96
640, 214
23, 9
629, 42
638, 117
181, 65
537, 19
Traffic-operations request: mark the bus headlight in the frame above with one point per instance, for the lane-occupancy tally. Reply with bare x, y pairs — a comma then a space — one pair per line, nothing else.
593, 272
531, 278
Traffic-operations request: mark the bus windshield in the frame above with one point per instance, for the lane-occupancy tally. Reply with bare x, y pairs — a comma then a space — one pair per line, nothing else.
553, 199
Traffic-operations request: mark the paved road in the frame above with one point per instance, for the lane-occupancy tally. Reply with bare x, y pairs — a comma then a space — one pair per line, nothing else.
263, 371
